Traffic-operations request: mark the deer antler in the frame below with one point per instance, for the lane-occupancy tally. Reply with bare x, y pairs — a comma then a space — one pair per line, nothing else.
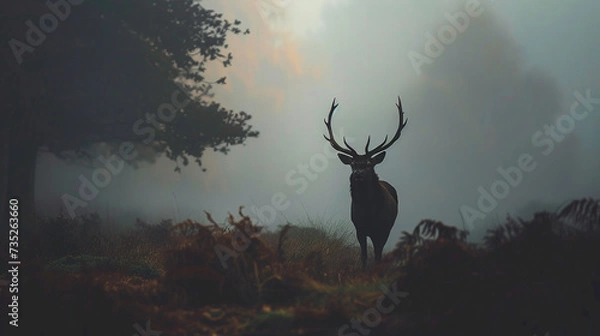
383, 146
350, 151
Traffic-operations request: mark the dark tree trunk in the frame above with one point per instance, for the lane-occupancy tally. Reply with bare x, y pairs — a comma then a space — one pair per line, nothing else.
21, 140
21, 180
4, 154
17, 167
4, 157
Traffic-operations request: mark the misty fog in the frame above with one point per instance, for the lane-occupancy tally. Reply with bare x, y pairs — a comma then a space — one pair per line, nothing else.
480, 103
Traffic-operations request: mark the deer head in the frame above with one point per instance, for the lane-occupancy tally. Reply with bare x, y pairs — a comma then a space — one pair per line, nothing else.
363, 164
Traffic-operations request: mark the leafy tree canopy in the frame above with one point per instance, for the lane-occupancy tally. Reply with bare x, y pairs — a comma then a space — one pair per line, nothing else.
106, 74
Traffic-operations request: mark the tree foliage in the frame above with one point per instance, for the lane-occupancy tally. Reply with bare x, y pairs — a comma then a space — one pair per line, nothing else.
111, 64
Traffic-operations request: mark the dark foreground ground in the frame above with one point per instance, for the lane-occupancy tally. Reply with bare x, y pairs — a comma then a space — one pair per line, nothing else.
531, 277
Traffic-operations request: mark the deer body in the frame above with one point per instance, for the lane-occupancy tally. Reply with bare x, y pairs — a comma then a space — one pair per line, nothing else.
373, 212
374, 203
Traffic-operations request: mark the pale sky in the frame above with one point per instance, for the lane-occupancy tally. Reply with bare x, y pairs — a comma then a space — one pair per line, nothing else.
472, 108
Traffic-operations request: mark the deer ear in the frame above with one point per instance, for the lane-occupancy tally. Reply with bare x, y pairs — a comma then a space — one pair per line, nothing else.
377, 159
345, 158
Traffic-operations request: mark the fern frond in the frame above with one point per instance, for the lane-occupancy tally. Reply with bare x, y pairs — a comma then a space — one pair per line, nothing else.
584, 212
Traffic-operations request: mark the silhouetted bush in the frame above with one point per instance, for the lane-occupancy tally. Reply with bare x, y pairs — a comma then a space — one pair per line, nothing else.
62, 235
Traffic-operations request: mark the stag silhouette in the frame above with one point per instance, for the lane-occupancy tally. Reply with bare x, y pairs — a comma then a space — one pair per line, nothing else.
374, 202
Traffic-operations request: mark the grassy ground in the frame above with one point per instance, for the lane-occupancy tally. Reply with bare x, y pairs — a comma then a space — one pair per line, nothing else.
534, 277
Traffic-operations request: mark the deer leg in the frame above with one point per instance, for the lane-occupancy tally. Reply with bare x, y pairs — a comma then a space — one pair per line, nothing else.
378, 247
378, 243
362, 240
